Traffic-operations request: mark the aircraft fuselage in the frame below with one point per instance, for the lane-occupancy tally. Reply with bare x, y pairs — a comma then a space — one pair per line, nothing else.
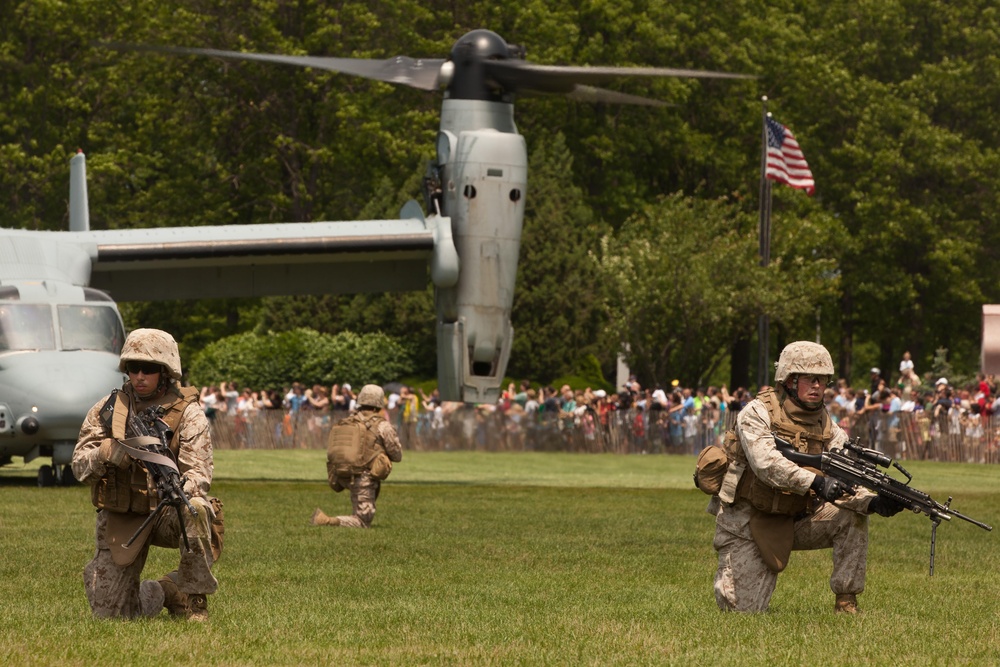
59, 347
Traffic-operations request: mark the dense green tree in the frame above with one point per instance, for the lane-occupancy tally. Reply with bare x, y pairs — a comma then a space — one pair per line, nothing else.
892, 102
684, 282
557, 315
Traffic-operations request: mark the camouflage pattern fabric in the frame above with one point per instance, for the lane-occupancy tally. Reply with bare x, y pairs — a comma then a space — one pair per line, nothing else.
115, 591
803, 357
743, 581
194, 456
364, 491
152, 345
365, 487
387, 438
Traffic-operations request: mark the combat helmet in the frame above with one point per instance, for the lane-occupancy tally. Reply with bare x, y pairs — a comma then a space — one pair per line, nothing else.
152, 345
803, 358
371, 396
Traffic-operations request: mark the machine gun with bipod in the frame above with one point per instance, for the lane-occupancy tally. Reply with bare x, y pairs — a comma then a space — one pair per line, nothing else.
856, 466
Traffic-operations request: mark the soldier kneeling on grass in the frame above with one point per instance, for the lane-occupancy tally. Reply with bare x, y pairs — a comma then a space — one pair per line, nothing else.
361, 450
109, 457
768, 506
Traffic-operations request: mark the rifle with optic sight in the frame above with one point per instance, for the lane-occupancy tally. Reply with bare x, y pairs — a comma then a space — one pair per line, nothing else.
856, 466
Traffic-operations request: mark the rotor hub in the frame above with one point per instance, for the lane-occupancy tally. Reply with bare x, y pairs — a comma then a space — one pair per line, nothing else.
470, 80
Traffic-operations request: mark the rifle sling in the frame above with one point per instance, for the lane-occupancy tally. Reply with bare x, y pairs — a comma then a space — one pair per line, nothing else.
134, 447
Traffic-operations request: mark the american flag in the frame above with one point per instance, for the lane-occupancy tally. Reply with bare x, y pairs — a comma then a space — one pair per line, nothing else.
785, 162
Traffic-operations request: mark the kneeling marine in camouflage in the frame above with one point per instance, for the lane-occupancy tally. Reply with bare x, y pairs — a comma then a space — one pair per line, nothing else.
361, 451
115, 461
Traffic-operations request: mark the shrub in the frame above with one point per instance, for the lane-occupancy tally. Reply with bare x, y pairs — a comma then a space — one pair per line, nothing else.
276, 359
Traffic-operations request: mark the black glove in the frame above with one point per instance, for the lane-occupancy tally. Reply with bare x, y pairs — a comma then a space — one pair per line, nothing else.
828, 488
884, 506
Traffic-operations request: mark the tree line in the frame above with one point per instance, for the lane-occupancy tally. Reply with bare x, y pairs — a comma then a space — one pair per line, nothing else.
640, 226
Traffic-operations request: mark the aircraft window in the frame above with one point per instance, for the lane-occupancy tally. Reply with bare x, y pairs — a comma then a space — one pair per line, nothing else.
26, 326
90, 328
91, 294
9, 292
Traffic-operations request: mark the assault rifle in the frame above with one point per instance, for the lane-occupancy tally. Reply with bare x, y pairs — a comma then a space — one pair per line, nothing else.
856, 466
149, 443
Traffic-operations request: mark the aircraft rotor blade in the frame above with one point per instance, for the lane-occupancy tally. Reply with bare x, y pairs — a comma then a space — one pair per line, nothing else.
582, 93
518, 75
420, 73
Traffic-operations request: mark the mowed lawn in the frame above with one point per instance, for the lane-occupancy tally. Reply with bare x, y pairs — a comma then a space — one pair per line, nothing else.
504, 559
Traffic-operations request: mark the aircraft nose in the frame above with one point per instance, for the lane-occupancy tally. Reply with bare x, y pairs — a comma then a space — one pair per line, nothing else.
70, 390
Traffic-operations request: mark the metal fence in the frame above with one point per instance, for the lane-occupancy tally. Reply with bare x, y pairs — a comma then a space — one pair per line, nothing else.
955, 437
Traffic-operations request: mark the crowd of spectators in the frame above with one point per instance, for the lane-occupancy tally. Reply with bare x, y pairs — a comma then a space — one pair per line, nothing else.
903, 417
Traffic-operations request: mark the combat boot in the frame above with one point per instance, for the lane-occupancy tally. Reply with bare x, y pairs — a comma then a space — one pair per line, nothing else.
319, 518
197, 608
175, 602
847, 603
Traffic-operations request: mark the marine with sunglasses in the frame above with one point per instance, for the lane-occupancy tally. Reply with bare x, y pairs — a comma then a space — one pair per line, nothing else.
770, 506
124, 494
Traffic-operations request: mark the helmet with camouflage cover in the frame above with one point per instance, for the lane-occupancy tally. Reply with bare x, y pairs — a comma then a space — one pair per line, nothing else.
154, 346
371, 396
803, 358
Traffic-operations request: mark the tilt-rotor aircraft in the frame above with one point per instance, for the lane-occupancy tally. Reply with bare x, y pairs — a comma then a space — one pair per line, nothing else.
469, 238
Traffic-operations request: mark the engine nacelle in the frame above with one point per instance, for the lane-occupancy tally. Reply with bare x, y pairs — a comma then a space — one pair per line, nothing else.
484, 184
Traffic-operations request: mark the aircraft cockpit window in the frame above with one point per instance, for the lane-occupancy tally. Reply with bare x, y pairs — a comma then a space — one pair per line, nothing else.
26, 326
91, 294
90, 328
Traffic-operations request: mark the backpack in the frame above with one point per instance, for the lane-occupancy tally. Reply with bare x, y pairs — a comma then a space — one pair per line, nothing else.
350, 449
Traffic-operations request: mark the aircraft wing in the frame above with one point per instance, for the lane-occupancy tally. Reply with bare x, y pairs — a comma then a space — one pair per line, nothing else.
259, 260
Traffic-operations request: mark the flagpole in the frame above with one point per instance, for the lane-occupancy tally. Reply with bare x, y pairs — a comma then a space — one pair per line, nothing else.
764, 240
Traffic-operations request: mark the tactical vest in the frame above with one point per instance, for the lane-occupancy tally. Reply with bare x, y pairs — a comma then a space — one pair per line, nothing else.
807, 430
128, 489
352, 446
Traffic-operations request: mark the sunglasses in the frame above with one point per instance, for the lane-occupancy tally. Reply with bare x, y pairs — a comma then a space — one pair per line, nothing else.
821, 380
144, 367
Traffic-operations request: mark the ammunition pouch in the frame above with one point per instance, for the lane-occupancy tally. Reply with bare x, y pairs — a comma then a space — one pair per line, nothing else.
127, 490
773, 501
123, 490
381, 466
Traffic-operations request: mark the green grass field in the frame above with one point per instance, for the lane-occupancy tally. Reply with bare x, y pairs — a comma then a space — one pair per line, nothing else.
479, 558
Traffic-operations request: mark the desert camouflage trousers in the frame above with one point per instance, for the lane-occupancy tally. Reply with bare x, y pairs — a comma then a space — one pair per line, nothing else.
364, 491
744, 583
115, 591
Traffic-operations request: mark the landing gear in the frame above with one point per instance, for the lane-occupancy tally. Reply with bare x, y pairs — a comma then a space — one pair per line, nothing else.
46, 476
67, 478
54, 475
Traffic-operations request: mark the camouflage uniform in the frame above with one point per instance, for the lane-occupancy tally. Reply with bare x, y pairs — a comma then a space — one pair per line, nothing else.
743, 581
114, 590
365, 487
